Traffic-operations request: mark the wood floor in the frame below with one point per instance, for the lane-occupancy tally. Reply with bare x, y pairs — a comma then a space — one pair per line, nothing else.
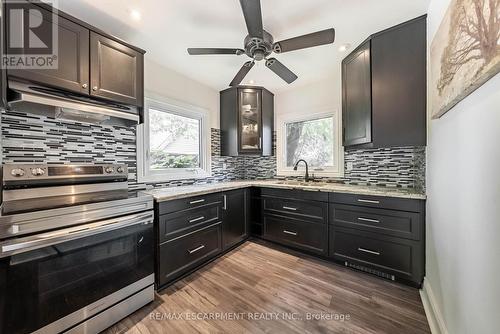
272, 290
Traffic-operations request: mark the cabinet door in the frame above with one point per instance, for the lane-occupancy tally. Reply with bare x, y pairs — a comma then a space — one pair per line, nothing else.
356, 97
234, 220
399, 85
250, 120
73, 56
116, 71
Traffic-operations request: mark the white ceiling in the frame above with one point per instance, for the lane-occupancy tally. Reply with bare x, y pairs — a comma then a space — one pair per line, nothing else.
168, 27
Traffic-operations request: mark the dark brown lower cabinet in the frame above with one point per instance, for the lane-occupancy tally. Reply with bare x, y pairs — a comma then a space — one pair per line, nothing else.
185, 253
311, 237
234, 217
193, 231
389, 256
381, 235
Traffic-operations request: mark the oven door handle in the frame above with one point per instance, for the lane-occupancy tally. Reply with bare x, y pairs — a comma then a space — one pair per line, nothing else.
25, 244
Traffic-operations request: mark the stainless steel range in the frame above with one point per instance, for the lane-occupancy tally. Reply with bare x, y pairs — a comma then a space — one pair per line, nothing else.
76, 248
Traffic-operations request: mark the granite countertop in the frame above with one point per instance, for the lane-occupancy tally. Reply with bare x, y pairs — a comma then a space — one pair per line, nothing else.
166, 194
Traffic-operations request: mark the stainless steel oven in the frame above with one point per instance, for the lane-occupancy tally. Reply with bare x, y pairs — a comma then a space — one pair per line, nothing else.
74, 268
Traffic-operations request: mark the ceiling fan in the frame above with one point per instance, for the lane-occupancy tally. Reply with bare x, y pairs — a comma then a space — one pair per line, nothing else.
259, 44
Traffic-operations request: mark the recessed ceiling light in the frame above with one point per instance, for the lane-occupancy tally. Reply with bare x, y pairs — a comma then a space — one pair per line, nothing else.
135, 14
251, 82
344, 47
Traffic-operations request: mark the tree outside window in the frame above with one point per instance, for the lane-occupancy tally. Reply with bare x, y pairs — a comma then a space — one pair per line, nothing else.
311, 140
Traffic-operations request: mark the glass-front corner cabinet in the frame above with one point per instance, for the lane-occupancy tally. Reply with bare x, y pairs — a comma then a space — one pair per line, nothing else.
249, 112
246, 121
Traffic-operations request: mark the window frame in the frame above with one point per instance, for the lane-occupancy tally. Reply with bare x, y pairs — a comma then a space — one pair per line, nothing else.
146, 174
335, 171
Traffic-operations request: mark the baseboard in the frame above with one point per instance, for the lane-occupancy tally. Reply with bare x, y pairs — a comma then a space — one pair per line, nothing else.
432, 311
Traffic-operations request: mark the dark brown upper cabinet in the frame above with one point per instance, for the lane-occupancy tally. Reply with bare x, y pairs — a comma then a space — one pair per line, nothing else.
90, 62
116, 72
73, 56
384, 89
357, 97
246, 121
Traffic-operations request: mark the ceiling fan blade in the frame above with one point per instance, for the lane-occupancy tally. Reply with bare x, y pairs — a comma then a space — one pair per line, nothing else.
281, 70
305, 41
253, 17
242, 73
214, 51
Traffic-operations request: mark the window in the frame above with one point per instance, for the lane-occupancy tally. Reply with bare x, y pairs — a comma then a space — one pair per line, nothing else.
172, 143
316, 139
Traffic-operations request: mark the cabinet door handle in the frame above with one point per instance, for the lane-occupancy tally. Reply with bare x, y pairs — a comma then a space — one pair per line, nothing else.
196, 249
368, 201
197, 201
225, 202
368, 220
289, 232
368, 251
94, 88
197, 219
289, 208
84, 85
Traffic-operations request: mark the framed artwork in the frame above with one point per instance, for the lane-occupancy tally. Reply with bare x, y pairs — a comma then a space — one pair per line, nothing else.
465, 52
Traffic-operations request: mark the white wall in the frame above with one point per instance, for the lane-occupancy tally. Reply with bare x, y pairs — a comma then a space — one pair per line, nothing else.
161, 81
463, 208
320, 96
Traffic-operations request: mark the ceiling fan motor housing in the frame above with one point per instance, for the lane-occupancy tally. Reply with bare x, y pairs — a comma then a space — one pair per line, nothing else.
259, 48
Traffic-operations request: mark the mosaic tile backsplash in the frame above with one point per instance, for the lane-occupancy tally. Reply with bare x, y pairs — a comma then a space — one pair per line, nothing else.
32, 138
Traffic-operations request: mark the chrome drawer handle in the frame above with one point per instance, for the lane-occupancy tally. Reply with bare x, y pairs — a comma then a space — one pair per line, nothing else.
369, 220
197, 219
289, 208
368, 201
289, 232
197, 201
368, 251
196, 249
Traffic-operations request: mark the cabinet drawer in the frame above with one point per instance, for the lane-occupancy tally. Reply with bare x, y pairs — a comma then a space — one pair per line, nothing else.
309, 210
295, 194
189, 203
180, 222
308, 236
182, 254
382, 202
390, 222
392, 255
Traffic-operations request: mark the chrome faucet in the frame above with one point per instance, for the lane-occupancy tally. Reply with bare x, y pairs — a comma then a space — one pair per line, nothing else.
306, 177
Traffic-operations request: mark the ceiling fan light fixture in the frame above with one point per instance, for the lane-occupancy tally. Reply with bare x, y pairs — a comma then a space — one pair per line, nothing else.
259, 44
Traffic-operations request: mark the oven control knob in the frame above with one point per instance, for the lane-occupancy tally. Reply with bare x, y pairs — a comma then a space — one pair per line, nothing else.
37, 171
17, 172
120, 170
108, 170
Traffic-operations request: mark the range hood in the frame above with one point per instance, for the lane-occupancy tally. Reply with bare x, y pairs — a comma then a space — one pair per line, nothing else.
41, 100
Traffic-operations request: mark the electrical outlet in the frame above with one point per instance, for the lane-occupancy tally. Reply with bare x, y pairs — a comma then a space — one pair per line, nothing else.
349, 165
